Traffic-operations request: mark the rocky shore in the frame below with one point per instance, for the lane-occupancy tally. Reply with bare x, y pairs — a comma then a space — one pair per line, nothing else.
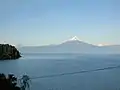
8, 52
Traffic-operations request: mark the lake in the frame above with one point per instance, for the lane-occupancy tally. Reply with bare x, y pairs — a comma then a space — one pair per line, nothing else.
36, 65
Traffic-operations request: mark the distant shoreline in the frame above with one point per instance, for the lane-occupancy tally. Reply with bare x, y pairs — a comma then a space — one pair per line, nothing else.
72, 53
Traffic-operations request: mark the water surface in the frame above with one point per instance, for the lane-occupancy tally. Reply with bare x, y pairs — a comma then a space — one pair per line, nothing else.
47, 64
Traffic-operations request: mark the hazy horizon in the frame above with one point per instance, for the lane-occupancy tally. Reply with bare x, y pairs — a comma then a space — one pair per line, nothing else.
45, 22
70, 39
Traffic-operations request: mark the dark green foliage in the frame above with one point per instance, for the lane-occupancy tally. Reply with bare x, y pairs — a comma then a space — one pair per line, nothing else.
8, 83
8, 52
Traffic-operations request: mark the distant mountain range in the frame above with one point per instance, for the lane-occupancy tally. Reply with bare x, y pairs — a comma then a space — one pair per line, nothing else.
73, 45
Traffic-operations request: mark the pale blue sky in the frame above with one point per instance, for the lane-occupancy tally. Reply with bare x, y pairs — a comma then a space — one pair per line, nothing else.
40, 22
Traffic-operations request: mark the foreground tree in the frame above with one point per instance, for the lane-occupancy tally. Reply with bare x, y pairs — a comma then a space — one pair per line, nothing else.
8, 83
8, 52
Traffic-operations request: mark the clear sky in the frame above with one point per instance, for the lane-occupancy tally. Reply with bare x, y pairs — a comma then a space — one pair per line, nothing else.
41, 22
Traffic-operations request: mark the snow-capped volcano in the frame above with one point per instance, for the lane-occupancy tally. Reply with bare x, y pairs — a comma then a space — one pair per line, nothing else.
75, 42
74, 38
73, 45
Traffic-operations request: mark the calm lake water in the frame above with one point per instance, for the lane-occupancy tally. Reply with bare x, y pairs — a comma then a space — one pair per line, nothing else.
47, 64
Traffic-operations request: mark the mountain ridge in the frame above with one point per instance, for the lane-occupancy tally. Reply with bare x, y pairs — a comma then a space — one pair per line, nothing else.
73, 45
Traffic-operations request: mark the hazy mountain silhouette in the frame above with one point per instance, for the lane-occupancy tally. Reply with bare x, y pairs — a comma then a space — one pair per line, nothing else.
73, 45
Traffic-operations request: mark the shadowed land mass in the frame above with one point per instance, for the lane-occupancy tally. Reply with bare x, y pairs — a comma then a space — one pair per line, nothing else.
8, 52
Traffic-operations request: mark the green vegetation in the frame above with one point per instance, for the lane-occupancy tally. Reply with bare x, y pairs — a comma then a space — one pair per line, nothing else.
8, 52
